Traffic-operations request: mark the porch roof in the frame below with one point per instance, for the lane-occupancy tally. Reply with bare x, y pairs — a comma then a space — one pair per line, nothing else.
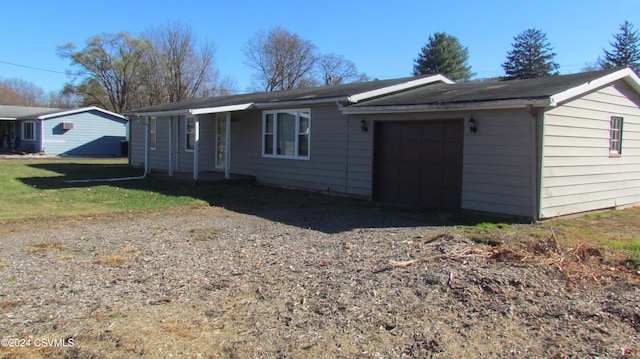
348, 93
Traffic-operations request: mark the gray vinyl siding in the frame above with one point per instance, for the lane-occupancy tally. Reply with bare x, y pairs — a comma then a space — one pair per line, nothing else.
499, 163
174, 148
578, 173
136, 142
326, 168
498, 160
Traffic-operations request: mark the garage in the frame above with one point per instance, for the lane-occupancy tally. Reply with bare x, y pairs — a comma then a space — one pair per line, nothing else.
419, 163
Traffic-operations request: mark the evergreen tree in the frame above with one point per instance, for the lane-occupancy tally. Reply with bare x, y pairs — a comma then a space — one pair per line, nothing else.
443, 54
531, 56
626, 49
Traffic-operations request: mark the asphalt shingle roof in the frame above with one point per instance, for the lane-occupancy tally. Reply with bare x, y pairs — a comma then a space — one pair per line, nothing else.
315, 93
16, 112
537, 88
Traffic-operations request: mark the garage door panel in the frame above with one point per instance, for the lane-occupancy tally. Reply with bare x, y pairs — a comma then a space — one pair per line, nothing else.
419, 163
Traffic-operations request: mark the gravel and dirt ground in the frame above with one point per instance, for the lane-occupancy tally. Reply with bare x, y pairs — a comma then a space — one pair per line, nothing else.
298, 277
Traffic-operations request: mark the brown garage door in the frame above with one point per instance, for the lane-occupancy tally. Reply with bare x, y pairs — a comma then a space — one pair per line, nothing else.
419, 163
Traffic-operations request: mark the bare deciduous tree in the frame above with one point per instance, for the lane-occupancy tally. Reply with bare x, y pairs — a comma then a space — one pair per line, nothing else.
180, 68
109, 61
20, 93
281, 59
336, 69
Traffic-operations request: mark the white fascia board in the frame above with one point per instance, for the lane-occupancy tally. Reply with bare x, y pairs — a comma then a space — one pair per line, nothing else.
486, 105
399, 87
8, 118
627, 74
219, 109
79, 110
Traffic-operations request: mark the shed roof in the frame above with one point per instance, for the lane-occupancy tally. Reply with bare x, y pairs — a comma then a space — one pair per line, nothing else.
537, 92
348, 93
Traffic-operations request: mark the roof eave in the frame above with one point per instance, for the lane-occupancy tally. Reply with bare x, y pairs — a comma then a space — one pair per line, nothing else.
194, 111
462, 106
78, 110
627, 74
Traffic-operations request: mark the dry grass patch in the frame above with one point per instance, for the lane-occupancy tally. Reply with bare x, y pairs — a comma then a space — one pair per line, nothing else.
128, 250
112, 260
44, 247
206, 234
63, 258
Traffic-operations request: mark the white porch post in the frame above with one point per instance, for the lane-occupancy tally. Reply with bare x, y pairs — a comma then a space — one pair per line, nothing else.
227, 152
196, 150
170, 146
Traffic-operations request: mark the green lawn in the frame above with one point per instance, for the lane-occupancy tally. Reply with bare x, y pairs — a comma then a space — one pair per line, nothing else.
31, 189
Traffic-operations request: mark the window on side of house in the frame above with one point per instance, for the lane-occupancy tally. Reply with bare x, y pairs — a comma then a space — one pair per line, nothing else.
152, 133
190, 133
615, 136
286, 133
29, 130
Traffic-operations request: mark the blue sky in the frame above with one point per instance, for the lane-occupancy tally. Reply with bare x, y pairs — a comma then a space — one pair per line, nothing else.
382, 38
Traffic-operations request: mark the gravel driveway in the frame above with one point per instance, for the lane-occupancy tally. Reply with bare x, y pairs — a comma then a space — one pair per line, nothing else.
287, 276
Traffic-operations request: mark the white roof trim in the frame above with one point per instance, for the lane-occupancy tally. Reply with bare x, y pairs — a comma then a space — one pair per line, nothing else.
484, 105
229, 108
79, 110
399, 87
196, 111
630, 77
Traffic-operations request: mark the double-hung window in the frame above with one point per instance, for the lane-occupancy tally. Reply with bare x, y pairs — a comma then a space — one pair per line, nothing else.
286, 133
29, 130
615, 136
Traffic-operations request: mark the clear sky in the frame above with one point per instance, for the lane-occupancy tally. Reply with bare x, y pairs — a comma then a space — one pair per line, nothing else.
382, 38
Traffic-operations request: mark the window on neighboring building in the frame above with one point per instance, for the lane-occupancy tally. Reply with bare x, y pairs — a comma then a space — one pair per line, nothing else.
29, 130
615, 136
190, 132
152, 133
286, 133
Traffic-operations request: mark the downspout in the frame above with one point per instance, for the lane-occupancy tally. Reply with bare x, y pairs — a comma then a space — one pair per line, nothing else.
536, 164
196, 147
146, 163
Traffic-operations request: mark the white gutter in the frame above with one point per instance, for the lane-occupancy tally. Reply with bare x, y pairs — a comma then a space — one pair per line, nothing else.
465, 106
146, 164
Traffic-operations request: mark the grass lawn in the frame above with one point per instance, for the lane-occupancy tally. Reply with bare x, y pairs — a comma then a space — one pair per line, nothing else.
37, 189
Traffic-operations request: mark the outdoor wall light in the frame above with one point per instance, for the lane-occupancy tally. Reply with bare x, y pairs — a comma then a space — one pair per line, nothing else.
472, 125
363, 125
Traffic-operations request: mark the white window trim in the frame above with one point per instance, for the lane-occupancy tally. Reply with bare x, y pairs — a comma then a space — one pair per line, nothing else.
24, 137
155, 132
186, 133
275, 133
615, 152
